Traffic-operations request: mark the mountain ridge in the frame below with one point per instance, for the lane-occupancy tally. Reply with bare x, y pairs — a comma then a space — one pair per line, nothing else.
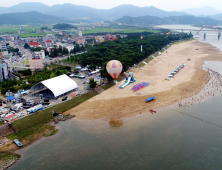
72, 11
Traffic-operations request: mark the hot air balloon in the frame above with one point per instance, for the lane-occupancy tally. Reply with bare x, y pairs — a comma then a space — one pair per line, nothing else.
141, 37
114, 68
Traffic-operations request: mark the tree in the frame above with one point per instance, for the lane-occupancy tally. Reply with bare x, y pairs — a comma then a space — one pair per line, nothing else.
92, 83
27, 72
52, 75
92, 67
26, 46
46, 52
104, 73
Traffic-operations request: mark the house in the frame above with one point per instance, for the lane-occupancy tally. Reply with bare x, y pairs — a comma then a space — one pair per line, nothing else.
101, 40
48, 43
21, 31
40, 54
3, 47
81, 41
36, 63
34, 44
49, 37
118, 35
38, 31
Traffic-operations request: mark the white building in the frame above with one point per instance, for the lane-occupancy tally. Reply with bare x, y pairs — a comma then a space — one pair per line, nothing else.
40, 54
49, 37
3, 72
3, 47
80, 33
21, 31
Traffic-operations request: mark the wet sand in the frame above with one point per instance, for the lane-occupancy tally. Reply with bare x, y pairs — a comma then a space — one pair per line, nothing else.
116, 103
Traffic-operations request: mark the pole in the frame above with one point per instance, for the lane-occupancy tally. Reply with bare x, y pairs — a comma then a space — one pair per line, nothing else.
141, 48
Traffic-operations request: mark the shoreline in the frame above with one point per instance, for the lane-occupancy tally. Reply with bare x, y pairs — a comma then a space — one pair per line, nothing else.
121, 107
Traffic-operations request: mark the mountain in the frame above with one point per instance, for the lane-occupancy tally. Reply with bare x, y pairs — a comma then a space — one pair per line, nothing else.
151, 20
206, 10
29, 18
72, 11
134, 11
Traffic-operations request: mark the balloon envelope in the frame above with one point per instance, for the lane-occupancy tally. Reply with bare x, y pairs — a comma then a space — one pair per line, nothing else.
114, 68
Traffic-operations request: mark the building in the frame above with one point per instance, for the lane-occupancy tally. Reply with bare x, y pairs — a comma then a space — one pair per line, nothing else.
21, 31
4, 74
36, 64
3, 47
101, 40
81, 41
80, 33
40, 54
49, 37
34, 44
48, 43
59, 86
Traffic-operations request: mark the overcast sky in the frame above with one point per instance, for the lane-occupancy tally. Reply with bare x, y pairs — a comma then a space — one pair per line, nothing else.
168, 5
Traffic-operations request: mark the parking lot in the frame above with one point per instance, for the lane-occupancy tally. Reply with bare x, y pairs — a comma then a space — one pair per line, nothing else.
82, 84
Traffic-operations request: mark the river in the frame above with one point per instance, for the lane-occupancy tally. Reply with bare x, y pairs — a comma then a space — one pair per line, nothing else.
169, 140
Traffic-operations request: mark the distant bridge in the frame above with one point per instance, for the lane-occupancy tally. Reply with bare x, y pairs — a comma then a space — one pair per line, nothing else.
214, 30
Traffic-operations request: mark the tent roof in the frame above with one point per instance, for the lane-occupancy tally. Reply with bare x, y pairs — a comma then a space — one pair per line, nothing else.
9, 98
58, 85
9, 116
151, 98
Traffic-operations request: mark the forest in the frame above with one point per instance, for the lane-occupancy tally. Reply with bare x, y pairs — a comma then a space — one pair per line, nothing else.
126, 50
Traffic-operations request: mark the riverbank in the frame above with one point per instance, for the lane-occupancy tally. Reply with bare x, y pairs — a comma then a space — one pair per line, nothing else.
116, 103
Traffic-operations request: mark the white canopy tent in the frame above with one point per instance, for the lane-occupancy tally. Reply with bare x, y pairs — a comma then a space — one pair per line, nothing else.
57, 85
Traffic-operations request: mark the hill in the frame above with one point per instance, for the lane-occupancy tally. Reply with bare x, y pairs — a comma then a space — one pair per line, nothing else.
72, 11
150, 20
216, 17
29, 18
64, 26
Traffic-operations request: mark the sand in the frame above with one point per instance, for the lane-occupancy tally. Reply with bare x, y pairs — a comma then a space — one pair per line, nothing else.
116, 103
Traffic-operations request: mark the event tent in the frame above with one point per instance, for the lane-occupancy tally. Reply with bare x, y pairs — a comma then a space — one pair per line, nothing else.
57, 85
9, 98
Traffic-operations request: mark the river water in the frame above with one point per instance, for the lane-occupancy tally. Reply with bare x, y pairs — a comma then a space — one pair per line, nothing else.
167, 140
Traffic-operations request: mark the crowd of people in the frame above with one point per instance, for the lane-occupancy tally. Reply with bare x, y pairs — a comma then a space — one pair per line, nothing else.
212, 88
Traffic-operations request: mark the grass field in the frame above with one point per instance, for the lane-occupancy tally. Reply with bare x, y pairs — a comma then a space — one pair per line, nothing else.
27, 28
117, 29
107, 86
25, 62
8, 155
32, 35
46, 114
26, 133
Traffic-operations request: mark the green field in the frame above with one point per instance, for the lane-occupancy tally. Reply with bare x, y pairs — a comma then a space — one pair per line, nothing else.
32, 35
27, 28
117, 29
107, 86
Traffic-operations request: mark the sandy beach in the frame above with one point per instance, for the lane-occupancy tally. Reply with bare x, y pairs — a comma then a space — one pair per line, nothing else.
116, 103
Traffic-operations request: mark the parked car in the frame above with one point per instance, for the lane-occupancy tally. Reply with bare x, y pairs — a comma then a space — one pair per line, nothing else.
21, 114
64, 98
